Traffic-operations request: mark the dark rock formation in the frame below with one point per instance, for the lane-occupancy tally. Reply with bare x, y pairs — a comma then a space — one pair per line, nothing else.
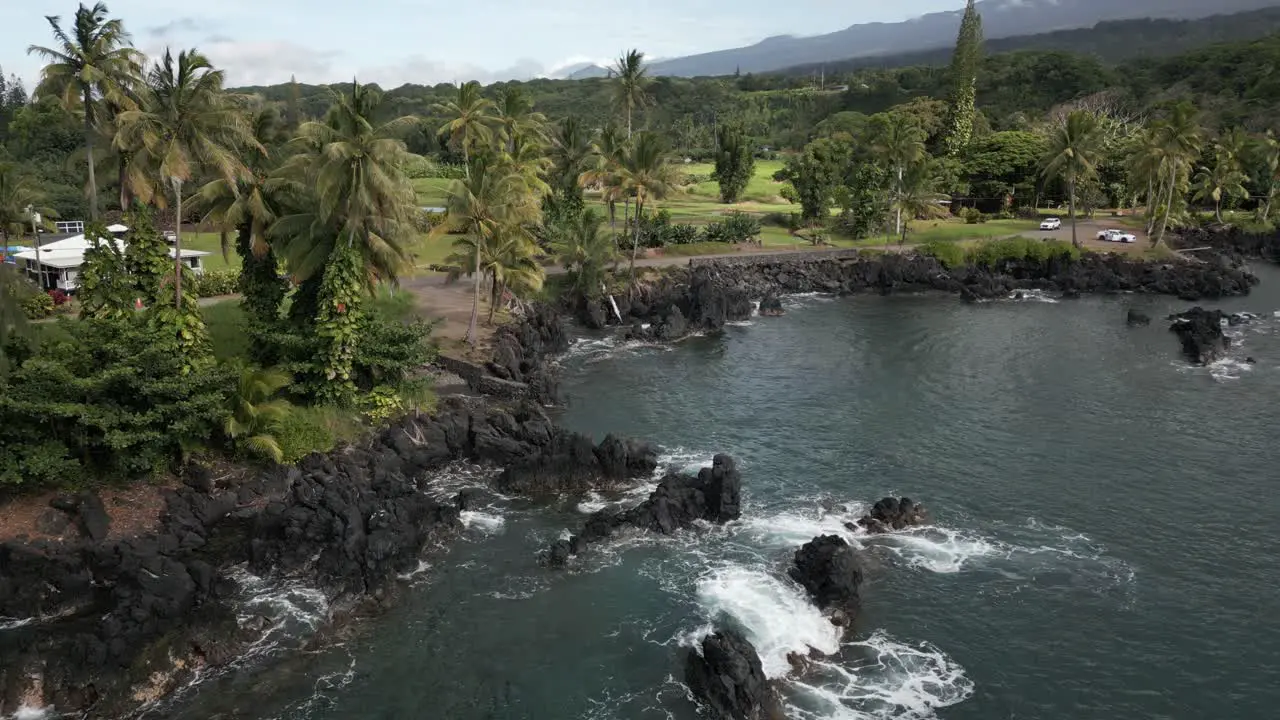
570, 463
728, 679
771, 305
1234, 242
520, 352
893, 514
713, 495
1201, 334
118, 616
829, 569
1135, 318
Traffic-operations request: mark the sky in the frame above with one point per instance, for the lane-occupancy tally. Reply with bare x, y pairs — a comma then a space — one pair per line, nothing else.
392, 42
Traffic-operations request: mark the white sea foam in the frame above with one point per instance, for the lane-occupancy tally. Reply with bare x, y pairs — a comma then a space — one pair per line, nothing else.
423, 567
940, 549
775, 615
879, 678
26, 712
1032, 295
486, 522
7, 623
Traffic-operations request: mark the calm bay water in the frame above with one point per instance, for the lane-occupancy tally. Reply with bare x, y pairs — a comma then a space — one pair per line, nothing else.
1106, 542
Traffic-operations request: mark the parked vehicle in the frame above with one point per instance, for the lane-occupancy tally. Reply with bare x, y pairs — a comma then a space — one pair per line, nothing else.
1113, 235
1052, 223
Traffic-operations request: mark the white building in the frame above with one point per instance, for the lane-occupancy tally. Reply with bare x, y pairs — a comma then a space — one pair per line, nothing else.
60, 261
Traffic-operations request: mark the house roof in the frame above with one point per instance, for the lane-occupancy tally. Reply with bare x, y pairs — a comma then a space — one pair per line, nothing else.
61, 261
70, 256
117, 228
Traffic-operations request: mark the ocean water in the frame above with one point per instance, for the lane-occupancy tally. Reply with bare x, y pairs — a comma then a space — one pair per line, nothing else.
1106, 541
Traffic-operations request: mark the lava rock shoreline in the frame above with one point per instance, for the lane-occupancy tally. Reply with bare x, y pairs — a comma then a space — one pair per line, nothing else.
118, 622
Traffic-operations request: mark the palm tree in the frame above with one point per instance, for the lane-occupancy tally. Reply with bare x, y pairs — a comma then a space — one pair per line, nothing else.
584, 252
1221, 182
1267, 150
1073, 153
570, 155
1177, 139
517, 121
185, 124
633, 80
13, 321
255, 412
19, 202
470, 119
506, 260
915, 195
604, 171
898, 142
90, 70
494, 200
345, 184
645, 175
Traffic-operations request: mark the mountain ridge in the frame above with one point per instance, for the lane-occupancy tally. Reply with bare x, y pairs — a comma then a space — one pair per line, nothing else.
1001, 18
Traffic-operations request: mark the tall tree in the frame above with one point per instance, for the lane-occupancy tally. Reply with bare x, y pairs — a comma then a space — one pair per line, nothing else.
607, 153
1225, 178
965, 63
1266, 161
1178, 140
915, 196
1073, 156
584, 252
735, 162
570, 156
632, 82
646, 174
898, 143
470, 120
493, 201
185, 124
89, 67
517, 120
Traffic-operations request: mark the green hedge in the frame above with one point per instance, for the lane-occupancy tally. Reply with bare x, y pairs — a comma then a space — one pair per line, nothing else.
992, 253
212, 283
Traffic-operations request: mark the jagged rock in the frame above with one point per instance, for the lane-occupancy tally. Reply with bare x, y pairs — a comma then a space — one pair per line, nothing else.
728, 679
1135, 318
828, 568
53, 522
893, 514
198, 478
713, 495
771, 305
1200, 332
91, 516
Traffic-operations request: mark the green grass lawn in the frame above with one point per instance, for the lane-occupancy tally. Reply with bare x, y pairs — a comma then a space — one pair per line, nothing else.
432, 192
762, 188
212, 244
922, 231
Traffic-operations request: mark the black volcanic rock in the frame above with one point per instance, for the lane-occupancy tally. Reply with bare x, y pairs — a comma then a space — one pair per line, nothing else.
828, 568
713, 495
893, 514
728, 680
1200, 332
1134, 318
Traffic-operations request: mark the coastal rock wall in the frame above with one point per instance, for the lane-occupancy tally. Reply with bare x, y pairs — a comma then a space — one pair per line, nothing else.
99, 626
1234, 242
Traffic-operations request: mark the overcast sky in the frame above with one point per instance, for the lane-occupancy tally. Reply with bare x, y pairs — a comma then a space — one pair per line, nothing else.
392, 42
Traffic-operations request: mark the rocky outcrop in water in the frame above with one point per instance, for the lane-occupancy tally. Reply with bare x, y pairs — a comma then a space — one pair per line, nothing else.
1135, 319
521, 350
713, 495
1200, 332
116, 622
570, 464
728, 679
889, 514
771, 305
1233, 242
828, 568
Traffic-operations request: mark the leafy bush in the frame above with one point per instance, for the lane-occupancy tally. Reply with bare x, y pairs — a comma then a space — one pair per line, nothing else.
212, 283
37, 305
682, 234
950, 254
737, 227
994, 253
695, 179
59, 298
304, 431
973, 216
110, 400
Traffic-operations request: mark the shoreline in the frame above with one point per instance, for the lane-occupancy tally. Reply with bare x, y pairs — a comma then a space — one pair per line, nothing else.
175, 577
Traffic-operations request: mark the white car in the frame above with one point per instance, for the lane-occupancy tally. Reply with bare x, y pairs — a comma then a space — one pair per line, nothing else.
1050, 224
1114, 235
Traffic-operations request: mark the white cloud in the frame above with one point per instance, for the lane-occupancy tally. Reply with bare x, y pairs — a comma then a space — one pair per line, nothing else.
270, 62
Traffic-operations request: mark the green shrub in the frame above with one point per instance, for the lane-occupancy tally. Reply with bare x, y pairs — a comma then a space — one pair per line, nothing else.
737, 227
305, 431
212, 283
973, 216
37, 305
682, 234
950, 254
993, 253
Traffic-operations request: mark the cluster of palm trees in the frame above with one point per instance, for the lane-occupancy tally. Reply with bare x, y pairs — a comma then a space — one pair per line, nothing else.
1167, 164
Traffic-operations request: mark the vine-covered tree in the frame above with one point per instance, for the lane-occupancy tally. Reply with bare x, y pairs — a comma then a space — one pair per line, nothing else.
735, 162
963, 78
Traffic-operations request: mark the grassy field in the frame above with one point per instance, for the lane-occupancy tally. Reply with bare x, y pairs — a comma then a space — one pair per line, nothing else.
211, 243
432, 192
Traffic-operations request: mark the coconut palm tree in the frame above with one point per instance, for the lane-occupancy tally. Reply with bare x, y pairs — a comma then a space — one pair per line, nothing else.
898, 143
13, 321
19, 199
915, 196
1177, 139
91, 69
1073, 153
570, 156
506, 261
603, 171
631, 89
1267, 153
1222, 181
344, 184
517, 122
493, 201
185, 124
584, 252
471, 120
645, 175
248, 208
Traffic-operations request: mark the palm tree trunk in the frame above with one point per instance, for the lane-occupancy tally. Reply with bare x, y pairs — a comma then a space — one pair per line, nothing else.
177, 246
122, 174
897, 227
1151, 209
35, 241
1217, 210
635, 247
475, 294
494, 290
1071, 208
88, 142
1164, 222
